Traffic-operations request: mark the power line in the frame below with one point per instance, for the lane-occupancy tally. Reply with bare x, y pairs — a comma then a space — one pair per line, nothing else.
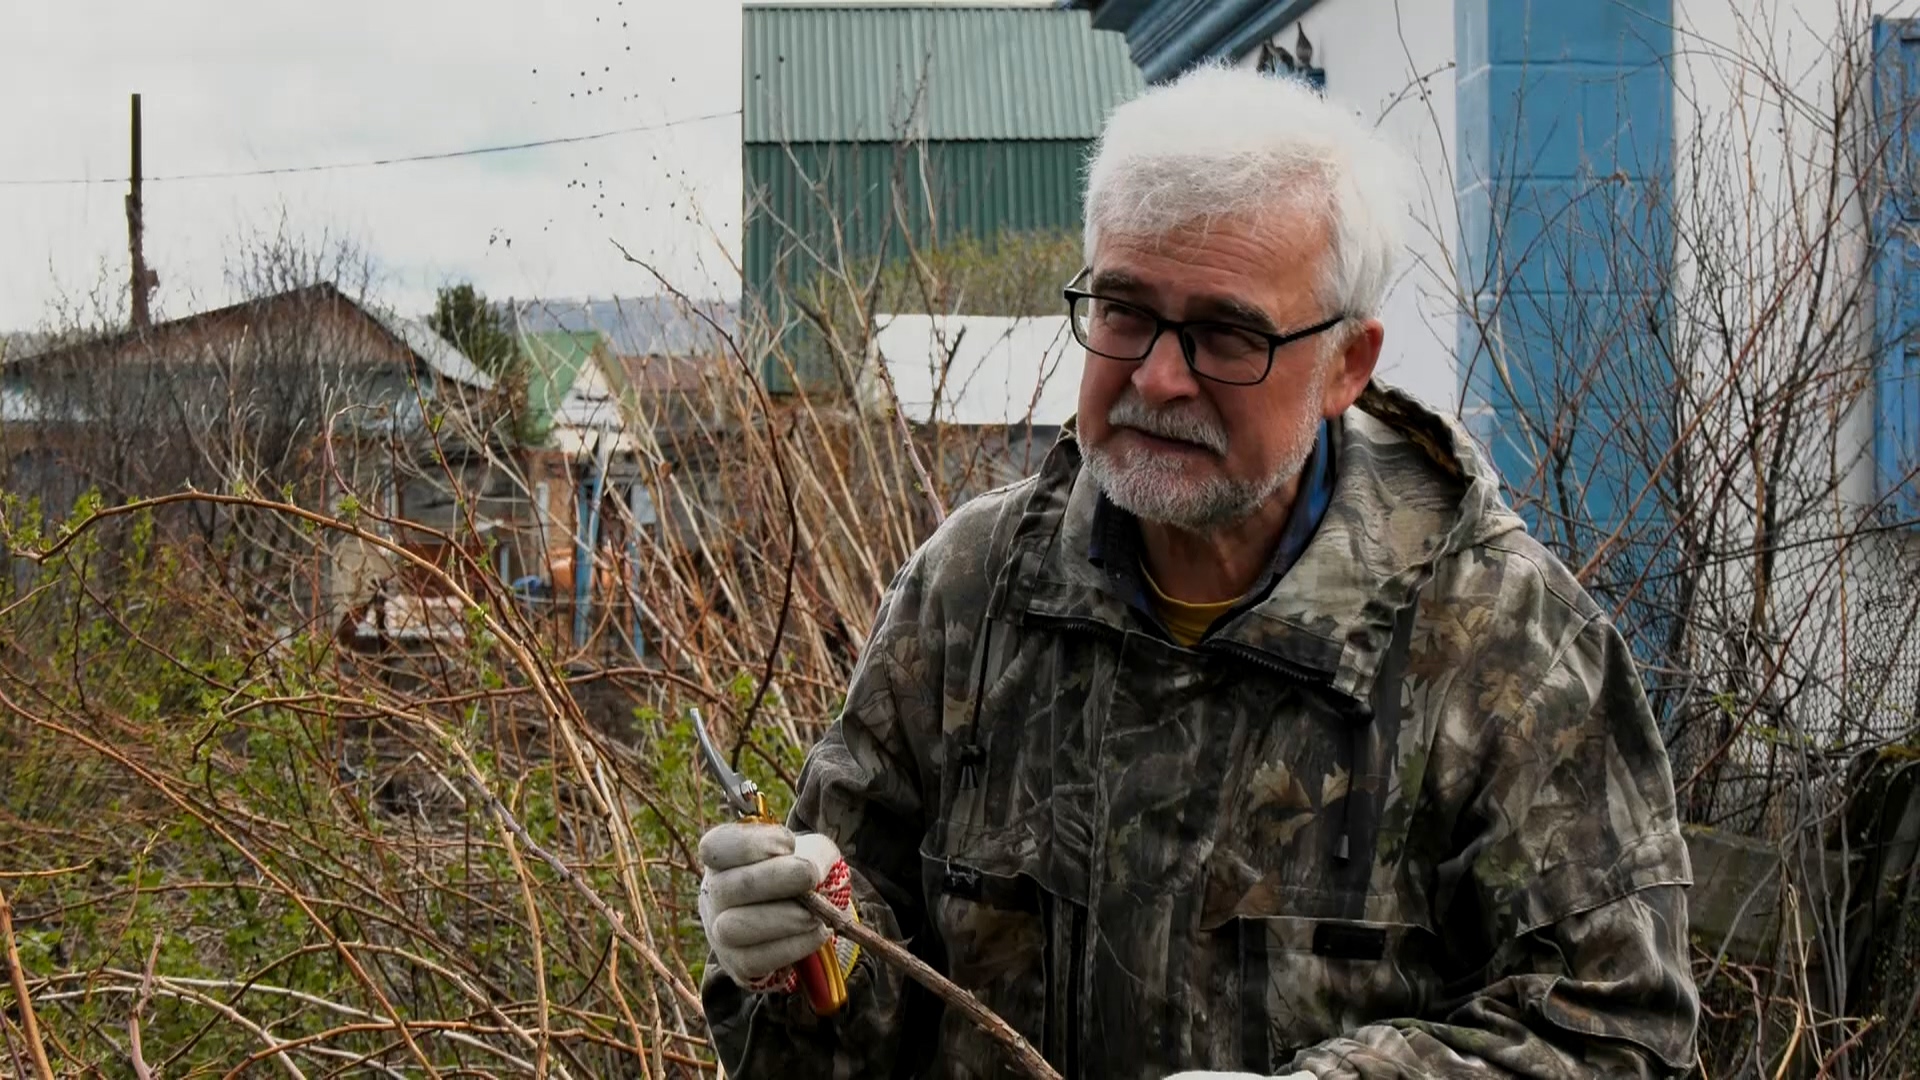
441, 156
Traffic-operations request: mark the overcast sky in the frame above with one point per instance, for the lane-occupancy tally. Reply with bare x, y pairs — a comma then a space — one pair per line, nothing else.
228, 85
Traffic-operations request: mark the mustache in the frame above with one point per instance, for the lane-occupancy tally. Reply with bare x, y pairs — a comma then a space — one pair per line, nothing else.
1131, 411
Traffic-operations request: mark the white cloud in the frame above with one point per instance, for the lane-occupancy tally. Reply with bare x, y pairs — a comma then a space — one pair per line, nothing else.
232, 86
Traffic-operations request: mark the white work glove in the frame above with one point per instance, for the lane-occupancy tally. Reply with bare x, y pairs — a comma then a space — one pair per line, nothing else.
748, 899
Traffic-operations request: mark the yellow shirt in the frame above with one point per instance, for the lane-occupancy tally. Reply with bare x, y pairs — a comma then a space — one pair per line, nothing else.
1188, 623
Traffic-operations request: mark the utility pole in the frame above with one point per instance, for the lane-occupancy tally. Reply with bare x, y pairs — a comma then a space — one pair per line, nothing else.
143, 279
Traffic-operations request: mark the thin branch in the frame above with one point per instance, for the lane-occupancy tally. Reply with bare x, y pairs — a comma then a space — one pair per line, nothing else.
29, 1024
137, 1056
913, 967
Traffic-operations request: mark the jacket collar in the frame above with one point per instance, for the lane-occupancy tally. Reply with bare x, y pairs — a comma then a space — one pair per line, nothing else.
1411, 489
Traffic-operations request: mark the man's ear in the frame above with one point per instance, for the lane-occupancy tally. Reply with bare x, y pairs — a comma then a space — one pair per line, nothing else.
1353, 368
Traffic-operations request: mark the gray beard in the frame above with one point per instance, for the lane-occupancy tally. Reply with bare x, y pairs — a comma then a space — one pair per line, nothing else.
1154, 487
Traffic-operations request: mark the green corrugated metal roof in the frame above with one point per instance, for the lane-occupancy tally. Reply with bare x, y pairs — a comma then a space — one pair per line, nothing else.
555, 359
817, 73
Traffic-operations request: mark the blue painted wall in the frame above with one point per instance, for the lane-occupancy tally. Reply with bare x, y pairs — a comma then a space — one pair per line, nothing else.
1564, 162
1896, 219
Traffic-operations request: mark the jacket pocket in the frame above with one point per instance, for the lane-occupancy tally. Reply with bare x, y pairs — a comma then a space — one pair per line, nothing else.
992, 917
1305, 980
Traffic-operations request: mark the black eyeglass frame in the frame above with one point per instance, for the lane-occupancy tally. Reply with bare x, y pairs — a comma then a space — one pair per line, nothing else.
1188, 349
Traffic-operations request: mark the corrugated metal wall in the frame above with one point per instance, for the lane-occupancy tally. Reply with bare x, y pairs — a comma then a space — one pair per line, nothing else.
874, 74
995, 110
977, 188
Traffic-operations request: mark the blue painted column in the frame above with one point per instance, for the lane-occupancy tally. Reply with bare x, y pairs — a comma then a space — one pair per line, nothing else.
587, 543
1896, 218
1563, 175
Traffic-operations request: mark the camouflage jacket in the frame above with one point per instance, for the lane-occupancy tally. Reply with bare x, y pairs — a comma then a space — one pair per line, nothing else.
1408, 816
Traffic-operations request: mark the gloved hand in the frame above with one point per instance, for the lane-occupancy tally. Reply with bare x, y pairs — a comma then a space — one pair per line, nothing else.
754, 873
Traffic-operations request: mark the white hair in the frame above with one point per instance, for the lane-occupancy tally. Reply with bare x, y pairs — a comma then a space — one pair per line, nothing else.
1225, 142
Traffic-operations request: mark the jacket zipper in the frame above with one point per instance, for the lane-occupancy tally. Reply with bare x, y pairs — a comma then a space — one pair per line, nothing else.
1078, 622
1266, 661
1070, 1045
1272, 663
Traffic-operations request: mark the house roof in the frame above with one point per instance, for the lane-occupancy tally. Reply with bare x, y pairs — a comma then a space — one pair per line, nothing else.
653, 375
632, 325
415, 336
822, 73
20, 343
433, 350
978, 369
555, 360
1167, 37
569, 401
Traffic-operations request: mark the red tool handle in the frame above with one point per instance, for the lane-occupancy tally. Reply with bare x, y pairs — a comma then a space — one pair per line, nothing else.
820, 978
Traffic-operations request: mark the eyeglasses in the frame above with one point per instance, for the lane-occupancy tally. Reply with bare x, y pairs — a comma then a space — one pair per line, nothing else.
1222, 352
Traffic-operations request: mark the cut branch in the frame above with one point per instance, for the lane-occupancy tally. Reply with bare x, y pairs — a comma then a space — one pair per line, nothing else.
916, 969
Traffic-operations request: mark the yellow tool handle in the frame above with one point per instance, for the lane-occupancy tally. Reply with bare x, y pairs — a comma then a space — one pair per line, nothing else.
820, 975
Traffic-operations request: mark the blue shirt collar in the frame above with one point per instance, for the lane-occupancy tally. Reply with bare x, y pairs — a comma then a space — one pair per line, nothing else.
1116, 547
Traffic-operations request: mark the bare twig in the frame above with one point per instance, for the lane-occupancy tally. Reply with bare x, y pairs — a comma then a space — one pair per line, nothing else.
512, 824
29, 1025
136, 1055
779, 457
913, 967
906, 442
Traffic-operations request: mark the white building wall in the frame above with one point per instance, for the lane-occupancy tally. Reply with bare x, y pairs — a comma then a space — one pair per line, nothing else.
1752, 81
1392, 63
1756, 86
980, 369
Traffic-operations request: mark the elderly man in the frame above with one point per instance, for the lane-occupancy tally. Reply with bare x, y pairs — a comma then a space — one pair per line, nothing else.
1254, 734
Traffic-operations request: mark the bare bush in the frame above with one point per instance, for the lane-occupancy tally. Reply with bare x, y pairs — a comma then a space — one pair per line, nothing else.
251, 837
1683, 383
253, 834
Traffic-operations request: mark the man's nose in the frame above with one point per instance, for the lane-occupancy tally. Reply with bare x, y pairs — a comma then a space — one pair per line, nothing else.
1164, 375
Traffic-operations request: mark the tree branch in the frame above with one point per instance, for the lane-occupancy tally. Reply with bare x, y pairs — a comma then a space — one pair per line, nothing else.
28, 1022
914, 968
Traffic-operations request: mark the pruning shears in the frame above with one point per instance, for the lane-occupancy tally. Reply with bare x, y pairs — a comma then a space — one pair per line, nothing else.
820, 975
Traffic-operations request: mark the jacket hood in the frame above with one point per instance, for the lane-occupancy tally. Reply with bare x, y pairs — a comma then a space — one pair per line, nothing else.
1411, 490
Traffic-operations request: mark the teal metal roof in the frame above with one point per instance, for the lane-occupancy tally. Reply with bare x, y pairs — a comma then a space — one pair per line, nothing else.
555, 360
819, 73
